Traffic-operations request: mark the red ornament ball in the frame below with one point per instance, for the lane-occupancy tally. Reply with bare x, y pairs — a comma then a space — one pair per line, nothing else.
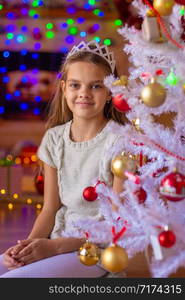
141, 195
90, 194
39, 184
172, 187
181, 2
167, 238
120, 103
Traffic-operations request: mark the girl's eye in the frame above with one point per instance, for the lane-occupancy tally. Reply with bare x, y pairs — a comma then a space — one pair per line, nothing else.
74, 85
96, 86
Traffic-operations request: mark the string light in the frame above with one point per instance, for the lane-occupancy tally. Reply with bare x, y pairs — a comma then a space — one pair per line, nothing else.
3, 191
15, 196
10, 206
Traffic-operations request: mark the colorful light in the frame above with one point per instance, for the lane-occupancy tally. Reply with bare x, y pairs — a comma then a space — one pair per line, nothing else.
70, 21
107, 42
64, 50
49, 25
24, 52
83, 33
15, 196
8, 97
1, 6
69, 39
21, 38
24, 106
2, 109
6, 54
10, 28
80, 20
10, 206
37, 46
97, 39
92, 2
172, 79
6, 79
118, 22
38, 206
73, 30
36, 111
29, 201
22, 67
50, 34
3, 191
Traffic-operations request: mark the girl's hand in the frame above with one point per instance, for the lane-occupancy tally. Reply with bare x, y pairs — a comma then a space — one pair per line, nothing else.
34, 250
9, 261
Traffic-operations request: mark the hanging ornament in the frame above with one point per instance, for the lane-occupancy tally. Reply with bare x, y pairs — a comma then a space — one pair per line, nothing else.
167, 238
152, 30
181, 2
120, 103
122, 81
114, 258
164, 7
39, 183
172, 79
122, 163
89, 254
172, 187
154, 94
141, 195
90, 194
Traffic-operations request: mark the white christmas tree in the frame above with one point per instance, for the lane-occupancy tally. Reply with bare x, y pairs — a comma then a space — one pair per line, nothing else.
154, 195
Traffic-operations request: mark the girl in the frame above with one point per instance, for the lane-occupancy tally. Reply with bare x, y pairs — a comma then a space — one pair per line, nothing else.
72, 151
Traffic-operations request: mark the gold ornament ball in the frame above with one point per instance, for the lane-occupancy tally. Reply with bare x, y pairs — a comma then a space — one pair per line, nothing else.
114, 258
122, 163
89, 254
154, 94
164, 7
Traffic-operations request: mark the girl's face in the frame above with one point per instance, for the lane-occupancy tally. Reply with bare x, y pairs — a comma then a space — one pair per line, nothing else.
84, 90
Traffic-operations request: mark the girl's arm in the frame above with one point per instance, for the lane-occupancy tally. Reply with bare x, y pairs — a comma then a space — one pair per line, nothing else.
46, 219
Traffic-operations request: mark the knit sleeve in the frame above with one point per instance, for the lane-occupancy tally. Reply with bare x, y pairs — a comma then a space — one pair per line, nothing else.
45, 150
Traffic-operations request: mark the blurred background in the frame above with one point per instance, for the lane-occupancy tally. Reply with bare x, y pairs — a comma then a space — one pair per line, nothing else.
35, 36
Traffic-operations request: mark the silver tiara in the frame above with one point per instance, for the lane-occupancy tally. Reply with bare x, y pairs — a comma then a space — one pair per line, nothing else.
102, 51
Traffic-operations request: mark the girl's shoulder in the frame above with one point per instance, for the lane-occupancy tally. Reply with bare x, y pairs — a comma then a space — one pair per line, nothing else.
57, 131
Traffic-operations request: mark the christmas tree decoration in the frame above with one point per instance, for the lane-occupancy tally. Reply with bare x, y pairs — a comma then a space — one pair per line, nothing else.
181, 2
120, 103
122, 163
90, 194
154, 94
152, 31
123, 81
39, 183
114, 258
89, 254
172, 79
172, 187
164, 7
167, 238
141, 195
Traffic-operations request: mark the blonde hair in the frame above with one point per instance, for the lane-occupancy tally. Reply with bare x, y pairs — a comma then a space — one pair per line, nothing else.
59, 112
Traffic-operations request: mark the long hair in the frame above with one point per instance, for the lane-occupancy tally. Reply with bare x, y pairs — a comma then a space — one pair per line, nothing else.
59, 112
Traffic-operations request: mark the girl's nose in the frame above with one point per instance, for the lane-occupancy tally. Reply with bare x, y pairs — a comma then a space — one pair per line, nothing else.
84, 93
